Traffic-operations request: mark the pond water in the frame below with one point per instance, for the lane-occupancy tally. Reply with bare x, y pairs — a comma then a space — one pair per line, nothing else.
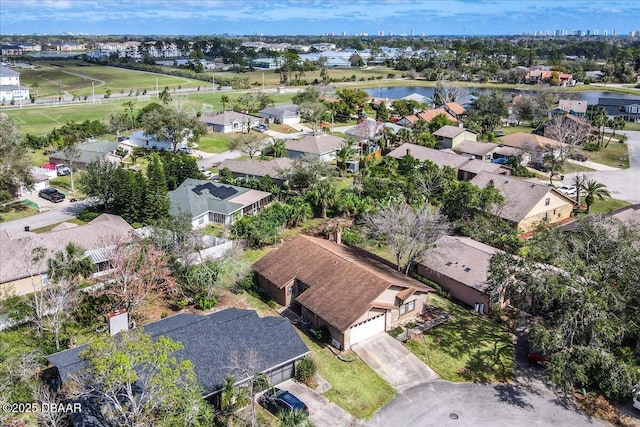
401, 91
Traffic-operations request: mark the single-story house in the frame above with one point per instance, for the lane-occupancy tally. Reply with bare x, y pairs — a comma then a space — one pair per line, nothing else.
283, 114
350, 292
18, 275
324, 146
476, 150
228, 342
141, 140
460, 266
41, 176
439, 157
628, 109
570, 106
90, 151
536, 147
450, 136
213, 202
526, 204
229, 121
276, 169
418, 98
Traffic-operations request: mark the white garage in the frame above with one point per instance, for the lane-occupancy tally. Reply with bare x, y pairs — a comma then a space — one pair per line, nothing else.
367, 329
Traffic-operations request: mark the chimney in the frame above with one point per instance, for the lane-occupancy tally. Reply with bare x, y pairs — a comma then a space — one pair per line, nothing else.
338, 236
118, 321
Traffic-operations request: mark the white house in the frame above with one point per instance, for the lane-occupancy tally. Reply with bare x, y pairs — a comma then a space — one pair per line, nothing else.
10, 89
142, 140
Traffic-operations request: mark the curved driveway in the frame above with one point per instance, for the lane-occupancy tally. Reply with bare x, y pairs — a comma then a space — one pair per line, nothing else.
623, 184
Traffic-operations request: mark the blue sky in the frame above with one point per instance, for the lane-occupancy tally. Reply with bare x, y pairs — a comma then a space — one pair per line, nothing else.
271, 17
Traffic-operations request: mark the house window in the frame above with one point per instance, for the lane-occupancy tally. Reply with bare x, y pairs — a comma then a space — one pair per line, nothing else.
547, 201
408, 307
495, 298
545, 217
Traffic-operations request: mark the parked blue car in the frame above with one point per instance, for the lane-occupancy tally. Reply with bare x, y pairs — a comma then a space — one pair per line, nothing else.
276, 401
500, 160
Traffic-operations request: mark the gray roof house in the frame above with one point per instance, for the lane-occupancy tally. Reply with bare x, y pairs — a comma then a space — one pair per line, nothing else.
16, 273
252, 168
218, 345
283, 114
527, 204
229, 121
323, 146
439, 157
90, 151
476, 150
460, 265
214, 202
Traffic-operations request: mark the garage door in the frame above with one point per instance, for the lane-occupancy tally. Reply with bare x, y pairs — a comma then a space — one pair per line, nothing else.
367, 329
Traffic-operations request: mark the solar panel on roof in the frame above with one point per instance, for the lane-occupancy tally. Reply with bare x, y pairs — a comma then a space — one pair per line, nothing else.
223, 192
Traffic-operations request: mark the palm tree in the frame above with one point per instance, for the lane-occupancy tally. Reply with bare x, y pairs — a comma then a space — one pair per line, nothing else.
128, 106
593, 189
70, 263
578, 182
293, 418
322, 196
343, 155
278, 148
300, 211
35, 86
224, 99
615, 124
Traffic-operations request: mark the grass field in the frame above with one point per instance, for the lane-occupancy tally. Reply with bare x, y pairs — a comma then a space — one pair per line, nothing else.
76, 79
214, 142
606, 205
16, 210
616, 155
465, 348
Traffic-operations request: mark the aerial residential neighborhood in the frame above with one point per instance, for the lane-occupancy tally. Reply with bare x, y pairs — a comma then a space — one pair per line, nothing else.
383, 218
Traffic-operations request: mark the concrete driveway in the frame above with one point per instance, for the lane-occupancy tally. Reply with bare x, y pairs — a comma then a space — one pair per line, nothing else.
622, 184
393, 362
322, 412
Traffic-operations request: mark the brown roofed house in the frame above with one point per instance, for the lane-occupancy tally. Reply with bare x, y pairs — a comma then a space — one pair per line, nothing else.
450, 136
276, 169
535, 146
351, 292
323, 146
439, 157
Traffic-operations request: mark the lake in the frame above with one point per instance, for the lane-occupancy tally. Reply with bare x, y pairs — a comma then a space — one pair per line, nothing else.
401, 91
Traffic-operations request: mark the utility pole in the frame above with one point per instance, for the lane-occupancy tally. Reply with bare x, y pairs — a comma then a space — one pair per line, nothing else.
93, 93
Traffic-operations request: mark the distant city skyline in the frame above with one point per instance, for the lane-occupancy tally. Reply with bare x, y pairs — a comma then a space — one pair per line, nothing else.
314, 17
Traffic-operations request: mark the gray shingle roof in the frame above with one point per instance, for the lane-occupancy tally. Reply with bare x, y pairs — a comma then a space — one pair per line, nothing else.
226, 118
315, 144
90, 151
194, 196
448, 131
273, 168
218, 345
462, 259
473, 147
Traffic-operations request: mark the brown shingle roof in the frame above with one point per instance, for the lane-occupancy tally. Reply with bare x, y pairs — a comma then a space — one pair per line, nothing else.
344, 281
474, 147
476, 166
529, 141
315, 144
439, 157
573, 105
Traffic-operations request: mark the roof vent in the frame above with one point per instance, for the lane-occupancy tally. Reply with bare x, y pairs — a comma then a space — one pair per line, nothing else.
449, 263
468, 269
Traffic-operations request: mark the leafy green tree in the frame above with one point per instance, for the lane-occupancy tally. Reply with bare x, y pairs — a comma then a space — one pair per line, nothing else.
308, 95
584, 306
224, 99
248, 143
382, 113
156, 201
141, 382
171, 126
165, 96
594, 189
226, 177
300, 211
464, 200
438, 121
294, 418
313, 113
178, 168
354, 99
615, 124
278, 148
14, 161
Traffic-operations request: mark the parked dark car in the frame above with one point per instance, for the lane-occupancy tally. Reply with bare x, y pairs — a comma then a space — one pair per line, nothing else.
539, 166
260, 128
276, 401
51, 194
578, 156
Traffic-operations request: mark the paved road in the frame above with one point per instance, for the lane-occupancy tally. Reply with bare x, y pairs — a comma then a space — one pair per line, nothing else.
622, 184
322, 412
59, 212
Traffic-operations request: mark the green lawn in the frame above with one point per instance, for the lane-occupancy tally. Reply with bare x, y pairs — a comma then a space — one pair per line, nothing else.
16, 210
214, 142
606, 205
508, 130
616, 155
569, 167
465, 348
355, 387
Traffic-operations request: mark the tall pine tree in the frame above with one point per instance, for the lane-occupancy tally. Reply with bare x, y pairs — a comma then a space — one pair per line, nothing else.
156, 201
